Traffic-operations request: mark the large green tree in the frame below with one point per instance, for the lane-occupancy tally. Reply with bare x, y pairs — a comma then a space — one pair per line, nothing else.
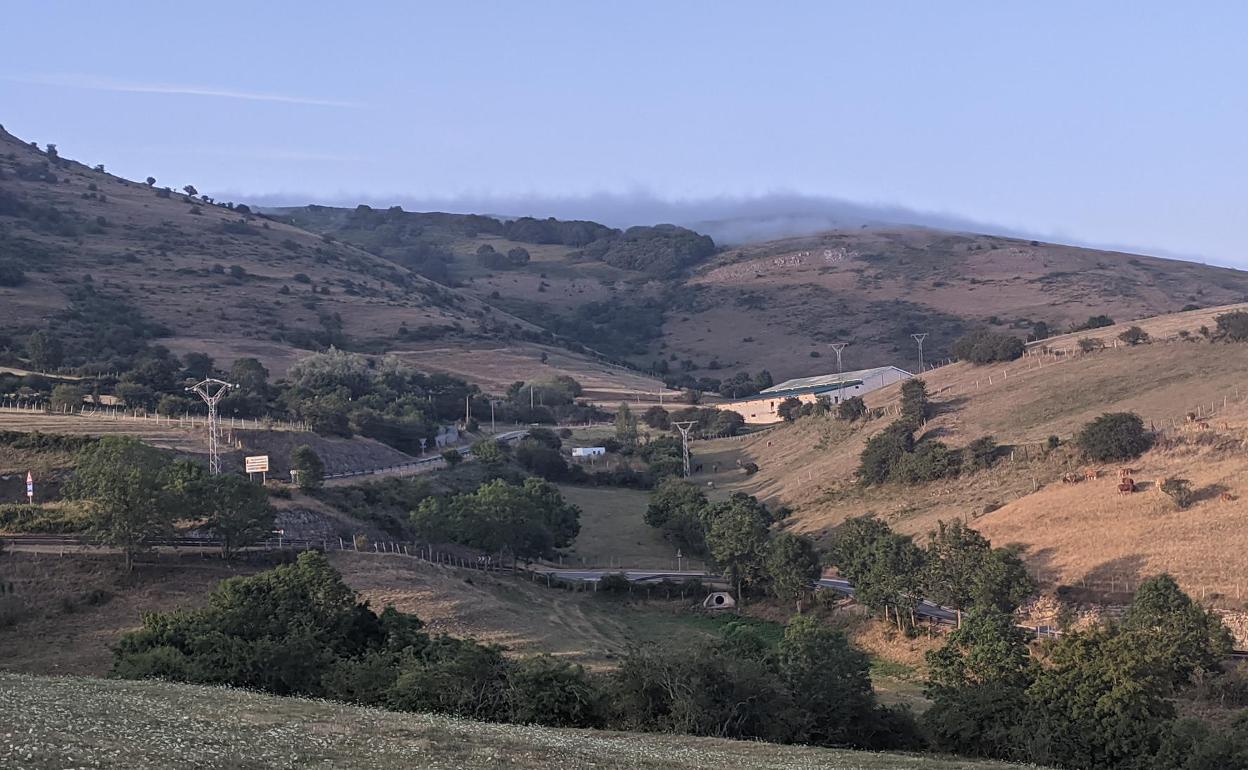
127, 485
737, 540
792, 566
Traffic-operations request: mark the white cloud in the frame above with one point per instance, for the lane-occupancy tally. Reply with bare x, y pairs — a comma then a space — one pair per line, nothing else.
97, 83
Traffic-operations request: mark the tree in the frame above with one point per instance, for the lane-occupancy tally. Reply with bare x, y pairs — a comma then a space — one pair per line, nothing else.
151, 181
190, 190
830, 681
67, 397
988, 648
44, 351
657, 417
1114, 436
1134, 335
237, 511
885, 568
915, 407
308, 467
1181, 636
198, 366
125, 482
789, 409
792, 566
955, 555
737, 539
852, 408
625, 426
490, 451
677, 508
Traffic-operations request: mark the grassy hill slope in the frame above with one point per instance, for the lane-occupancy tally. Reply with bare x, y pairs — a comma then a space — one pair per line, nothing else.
772, 305
92, 723
106, 262
1074, 533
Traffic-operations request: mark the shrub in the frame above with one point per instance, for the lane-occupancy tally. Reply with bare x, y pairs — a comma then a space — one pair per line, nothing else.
1233, 326
1179, 490
853, 408
930, 460
1114, 436
1134, 336
883, 452
1091, 344
452, 457
915, 406
981, 453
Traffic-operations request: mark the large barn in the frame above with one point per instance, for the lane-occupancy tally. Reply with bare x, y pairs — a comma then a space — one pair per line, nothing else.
763, 408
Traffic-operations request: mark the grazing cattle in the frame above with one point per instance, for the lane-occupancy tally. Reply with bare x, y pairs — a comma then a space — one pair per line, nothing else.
1126, 487
1203, 425
1124, 473
1070, 478
1092, 473
1226, 497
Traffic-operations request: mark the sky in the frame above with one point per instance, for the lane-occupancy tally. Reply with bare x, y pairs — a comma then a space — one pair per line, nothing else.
1108, 123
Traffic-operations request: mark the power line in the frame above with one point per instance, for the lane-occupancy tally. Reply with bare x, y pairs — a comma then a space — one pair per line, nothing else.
212, 391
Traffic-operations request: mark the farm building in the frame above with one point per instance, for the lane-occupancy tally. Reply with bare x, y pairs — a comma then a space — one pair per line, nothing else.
762, 409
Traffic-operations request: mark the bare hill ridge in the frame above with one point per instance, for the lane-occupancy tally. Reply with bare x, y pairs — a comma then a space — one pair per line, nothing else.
1074, 533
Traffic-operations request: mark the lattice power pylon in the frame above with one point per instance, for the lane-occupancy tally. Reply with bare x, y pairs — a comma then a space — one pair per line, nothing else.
212, 391
919, 339
684, 427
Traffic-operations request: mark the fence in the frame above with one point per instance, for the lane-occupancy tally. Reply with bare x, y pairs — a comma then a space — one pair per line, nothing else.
37, 408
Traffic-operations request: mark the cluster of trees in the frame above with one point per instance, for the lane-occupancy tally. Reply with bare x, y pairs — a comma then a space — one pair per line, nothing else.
135, 492
896, 455
661, 250
526, 519
1093, 322
985, 346
497, 260
957, 568
299, 629
708, 421
744, 384
737, 535
1102, 697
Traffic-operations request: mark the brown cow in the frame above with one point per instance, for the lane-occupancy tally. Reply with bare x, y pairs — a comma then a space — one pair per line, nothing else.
1203, 425
1226, 497
1124, 473
1070, 478
1092, 473
1126, 487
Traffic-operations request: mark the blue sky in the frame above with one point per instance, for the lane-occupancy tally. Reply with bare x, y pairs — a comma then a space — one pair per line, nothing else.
1109, 123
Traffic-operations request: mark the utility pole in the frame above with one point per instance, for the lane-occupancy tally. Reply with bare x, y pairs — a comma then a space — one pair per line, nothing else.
837, 347
492, 403
684, 427
212, 391
919, 339
467, 415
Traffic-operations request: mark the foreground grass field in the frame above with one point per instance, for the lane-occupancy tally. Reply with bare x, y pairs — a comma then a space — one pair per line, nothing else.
94, 723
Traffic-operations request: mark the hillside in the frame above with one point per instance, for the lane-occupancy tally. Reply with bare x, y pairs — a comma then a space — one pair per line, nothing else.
93, 723
776, 305
1075, 534
111, 264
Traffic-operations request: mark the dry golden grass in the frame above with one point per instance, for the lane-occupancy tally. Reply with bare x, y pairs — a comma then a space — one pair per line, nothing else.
1073, 533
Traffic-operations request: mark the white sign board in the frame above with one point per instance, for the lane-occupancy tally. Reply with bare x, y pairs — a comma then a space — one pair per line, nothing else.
589, 451
257, 464
30, 487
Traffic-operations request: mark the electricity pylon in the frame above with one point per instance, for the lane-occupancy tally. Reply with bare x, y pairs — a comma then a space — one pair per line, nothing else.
684, 427
919, 339
212, 391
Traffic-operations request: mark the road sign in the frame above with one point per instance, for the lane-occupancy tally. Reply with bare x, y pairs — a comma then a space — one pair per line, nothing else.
30, 487
257, 464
